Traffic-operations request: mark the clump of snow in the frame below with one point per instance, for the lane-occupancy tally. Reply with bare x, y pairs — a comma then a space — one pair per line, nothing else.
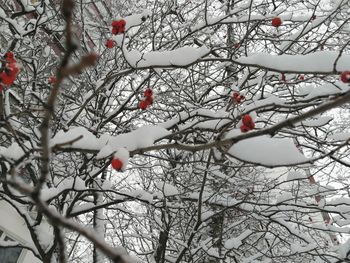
311, 92
14, 151
297, 248
141, 194
293, 175
45, 236
179, 57
236, 242
344, 249
320, 62
287, 196
123, 155
317, 122
267, 151
104, 152
167, 189
106, 144
342, 136
67, 184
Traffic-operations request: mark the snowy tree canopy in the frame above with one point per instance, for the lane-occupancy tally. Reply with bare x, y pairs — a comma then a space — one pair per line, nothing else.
176, 130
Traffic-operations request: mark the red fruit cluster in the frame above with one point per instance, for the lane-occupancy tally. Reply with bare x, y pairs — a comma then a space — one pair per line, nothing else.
345, 76
276, 22
143, 104
247, 123
237, 98
118, 27
117, 164
9, 73
110, 43
301, 77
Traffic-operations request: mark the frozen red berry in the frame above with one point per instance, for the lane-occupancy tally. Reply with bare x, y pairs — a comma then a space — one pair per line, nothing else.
143, 104
247, 120
235, 95
118, 27
148, 93
276, 22
115, 23
9, 74
345, 76
301, 77
52, 80
114, 31
117, 164
251, 125
244, 128
10, 57
110, 43
149, 100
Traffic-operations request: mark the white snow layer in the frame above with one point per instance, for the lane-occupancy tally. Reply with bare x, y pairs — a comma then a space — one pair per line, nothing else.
267, 151
139, 138
167, 189
321, 62
236, 242
179, 57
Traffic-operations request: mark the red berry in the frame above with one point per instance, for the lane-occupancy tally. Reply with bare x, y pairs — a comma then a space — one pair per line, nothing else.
247, 120
122, 22
109, 43
251, 125
52, 80
244, 128
283, 77
242, 97
301, 77
6, 79
235, 95
345, 76
148, 93
10, 58
143, 104
313, 17
114, 31
117, 164
9, 74
276, 22
149, 100
118, 27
